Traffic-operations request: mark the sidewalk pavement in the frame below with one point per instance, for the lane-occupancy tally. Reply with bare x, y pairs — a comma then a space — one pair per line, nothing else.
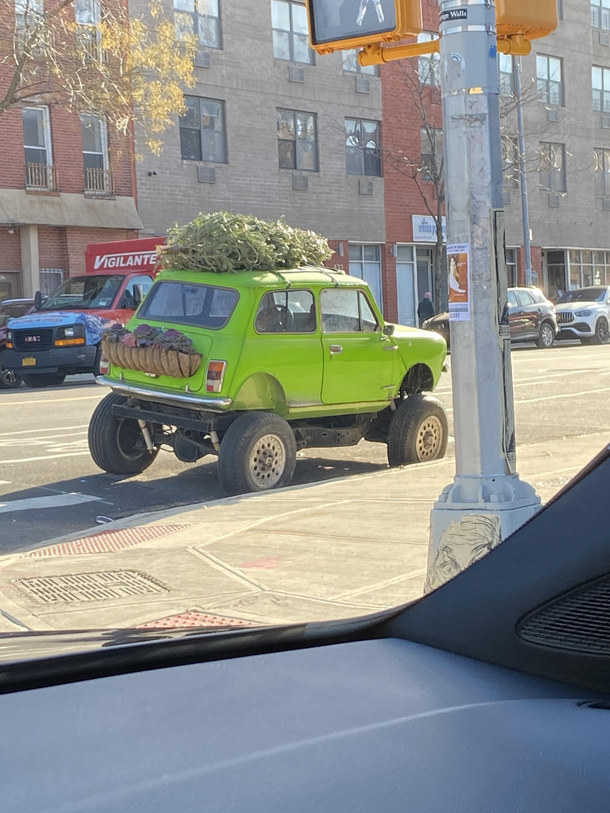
340, 548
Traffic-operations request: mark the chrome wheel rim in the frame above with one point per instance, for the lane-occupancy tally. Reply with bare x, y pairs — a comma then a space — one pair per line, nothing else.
8, 376
547, 335
267, 461
429, 438
602, 332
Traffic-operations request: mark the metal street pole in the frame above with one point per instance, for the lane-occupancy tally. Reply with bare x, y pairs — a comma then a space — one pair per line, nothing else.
487, 500
525, 209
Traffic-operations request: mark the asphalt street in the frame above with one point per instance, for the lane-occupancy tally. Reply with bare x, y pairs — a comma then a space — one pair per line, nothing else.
49, 486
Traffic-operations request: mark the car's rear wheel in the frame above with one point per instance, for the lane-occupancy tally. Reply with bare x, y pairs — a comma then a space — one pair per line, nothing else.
258, 452
117, 445
43, 380
418, 431
546, 336
9, 380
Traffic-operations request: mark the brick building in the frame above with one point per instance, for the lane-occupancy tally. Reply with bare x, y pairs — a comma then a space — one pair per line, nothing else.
65, 181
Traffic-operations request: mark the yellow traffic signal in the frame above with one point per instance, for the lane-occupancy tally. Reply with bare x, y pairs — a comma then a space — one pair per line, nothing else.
531, 19
336, 25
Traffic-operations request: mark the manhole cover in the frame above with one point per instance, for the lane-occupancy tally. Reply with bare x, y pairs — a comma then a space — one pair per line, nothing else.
106, 541
194, 618
100, 586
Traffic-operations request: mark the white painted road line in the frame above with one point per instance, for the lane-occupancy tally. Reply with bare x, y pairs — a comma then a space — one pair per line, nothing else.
42, 429
561, 395
56, 501
45, 457
53, 400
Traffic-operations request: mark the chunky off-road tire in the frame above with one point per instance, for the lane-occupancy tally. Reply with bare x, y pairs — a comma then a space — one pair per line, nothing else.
601, 335
546, 336
257, 453
8, 379
116, 444
43, 380
418, 431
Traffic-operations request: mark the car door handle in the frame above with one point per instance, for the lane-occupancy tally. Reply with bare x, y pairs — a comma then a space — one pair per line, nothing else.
335, 348
391, 347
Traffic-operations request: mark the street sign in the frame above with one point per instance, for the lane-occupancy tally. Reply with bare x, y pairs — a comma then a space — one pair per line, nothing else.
345, 24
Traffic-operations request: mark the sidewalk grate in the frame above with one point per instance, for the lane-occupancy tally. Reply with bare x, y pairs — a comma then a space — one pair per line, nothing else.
194, 618
106, 541
80, 587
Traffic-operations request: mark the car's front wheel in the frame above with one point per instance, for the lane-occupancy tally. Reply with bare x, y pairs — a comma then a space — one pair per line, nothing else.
257, 453
418, 431
546, 336
9, 380
601, 335
117, 445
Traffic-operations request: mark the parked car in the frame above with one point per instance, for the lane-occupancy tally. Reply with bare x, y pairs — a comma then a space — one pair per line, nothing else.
11, 309
585, 314
290, 360
531, 316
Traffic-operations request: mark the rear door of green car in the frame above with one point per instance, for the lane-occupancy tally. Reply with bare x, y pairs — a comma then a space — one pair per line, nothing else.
358, 359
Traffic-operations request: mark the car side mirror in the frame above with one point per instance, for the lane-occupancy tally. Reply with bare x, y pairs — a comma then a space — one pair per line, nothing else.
38, 300
388, 330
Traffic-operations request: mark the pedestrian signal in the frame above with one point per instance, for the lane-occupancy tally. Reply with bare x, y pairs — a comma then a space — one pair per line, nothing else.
344, 24
532, 20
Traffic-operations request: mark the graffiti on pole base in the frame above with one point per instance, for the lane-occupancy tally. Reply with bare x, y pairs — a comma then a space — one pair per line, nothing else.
458, 265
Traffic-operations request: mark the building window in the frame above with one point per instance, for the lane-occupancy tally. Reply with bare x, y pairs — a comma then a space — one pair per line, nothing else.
600, 14
511, 267
290, 31
505, 74
552, 167
510, 162
582, 269
28, 14
600, 80
601, 172
202, 131
431, 154
95, 154
365, 263
88, 18
39, 172
351, 64
199, 17
297, 140
363, 147
549, 79
428, 68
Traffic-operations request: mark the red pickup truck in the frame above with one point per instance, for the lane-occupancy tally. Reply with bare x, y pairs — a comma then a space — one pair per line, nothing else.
62, 336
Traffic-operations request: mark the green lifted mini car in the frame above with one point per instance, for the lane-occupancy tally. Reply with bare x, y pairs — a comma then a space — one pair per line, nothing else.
273, 362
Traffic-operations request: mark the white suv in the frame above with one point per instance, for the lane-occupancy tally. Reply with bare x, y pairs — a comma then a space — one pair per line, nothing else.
584, 314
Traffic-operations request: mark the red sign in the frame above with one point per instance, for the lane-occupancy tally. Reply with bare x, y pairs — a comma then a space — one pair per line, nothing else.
123, 256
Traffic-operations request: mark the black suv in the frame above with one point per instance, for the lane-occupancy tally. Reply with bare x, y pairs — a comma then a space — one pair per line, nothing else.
531, 315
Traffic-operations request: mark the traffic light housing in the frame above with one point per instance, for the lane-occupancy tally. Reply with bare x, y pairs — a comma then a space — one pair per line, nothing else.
336, 25
532, 19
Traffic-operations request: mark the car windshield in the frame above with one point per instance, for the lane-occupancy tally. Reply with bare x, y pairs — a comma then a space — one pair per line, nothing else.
583, 295
84, 293
13, 311
197, 305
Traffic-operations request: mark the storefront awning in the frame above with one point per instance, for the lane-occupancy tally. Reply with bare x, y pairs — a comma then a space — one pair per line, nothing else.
17, 208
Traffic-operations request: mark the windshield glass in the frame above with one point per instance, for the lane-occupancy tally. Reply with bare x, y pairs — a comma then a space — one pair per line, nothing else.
583, 295
84, 293
12, 312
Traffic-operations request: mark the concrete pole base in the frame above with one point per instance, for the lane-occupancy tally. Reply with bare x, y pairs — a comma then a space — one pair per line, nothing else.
472, 516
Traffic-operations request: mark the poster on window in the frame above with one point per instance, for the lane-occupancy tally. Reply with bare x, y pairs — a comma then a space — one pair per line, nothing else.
458, 266
349, 19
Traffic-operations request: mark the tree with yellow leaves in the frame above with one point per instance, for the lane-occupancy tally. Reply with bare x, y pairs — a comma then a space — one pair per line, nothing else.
91, 57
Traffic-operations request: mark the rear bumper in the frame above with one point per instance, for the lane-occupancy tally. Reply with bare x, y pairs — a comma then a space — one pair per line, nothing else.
163, 396
68, 360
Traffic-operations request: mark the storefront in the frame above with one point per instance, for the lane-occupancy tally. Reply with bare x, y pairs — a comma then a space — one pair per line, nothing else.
567, 269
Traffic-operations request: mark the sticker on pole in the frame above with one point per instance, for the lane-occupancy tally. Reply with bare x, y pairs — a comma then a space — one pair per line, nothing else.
458, 264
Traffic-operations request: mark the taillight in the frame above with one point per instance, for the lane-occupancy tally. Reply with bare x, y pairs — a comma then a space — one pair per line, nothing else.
104, 366
214, 376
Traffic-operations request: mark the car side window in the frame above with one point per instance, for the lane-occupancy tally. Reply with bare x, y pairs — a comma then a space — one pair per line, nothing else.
346, 311
128, 299
512, 299
291, 311
524, 298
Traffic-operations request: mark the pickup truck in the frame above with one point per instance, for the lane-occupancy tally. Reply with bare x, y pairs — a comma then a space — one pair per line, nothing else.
62, 336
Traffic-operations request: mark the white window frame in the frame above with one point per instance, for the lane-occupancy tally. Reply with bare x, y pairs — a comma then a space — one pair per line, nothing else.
361, 263
103, 138
46, 120
196, 15
429, 65
365, 70
291, 35
598, 7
